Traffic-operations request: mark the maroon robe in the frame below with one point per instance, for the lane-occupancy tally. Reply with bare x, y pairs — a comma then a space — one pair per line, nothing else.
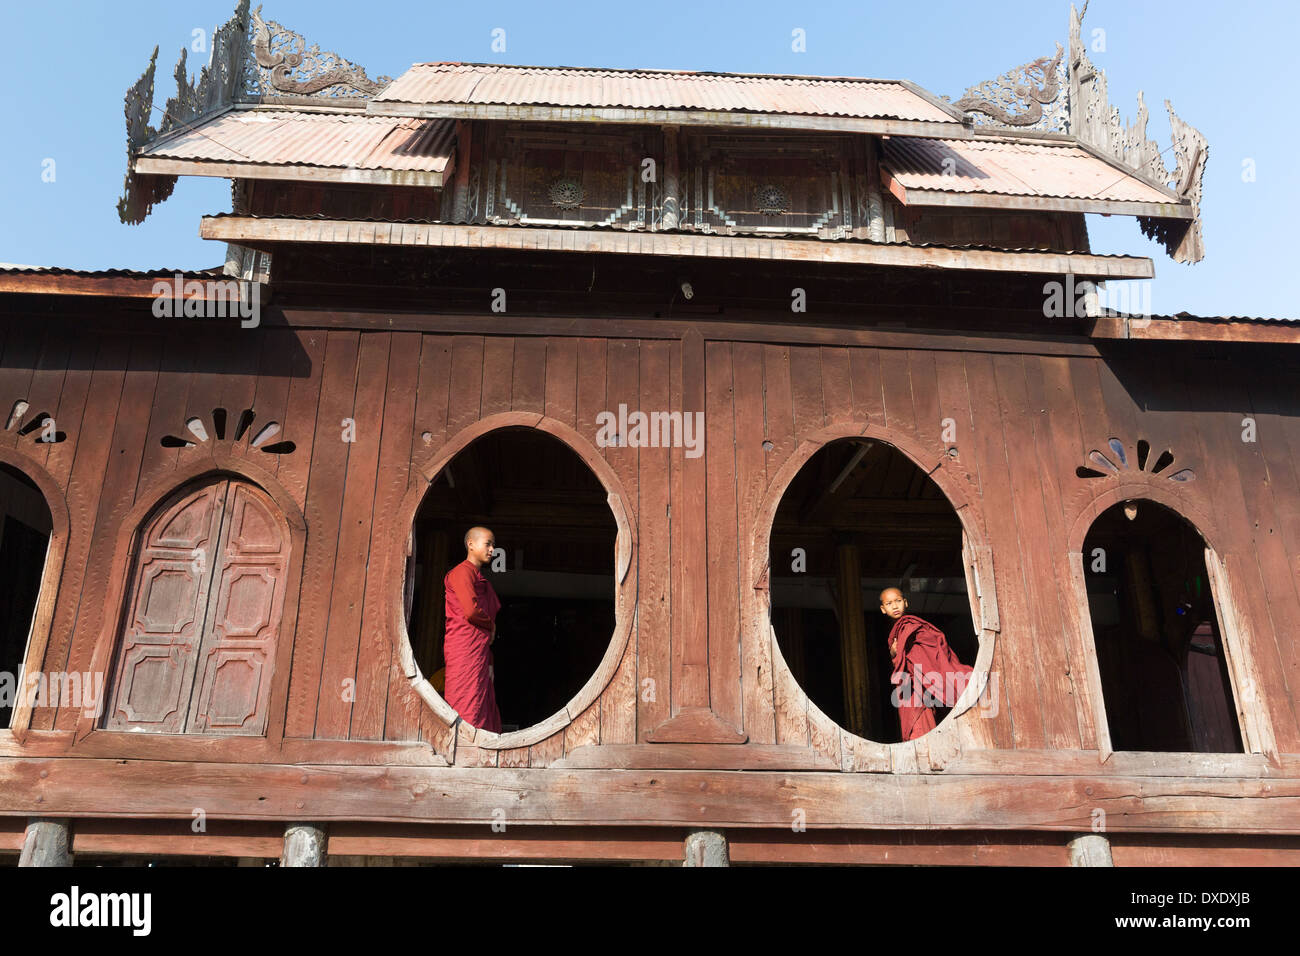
472, 607
922, 664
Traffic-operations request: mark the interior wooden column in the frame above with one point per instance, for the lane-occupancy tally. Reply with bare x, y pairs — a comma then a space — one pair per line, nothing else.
853, 638
791, 638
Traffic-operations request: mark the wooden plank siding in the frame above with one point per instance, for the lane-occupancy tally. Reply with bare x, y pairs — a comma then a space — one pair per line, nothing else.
1024, 421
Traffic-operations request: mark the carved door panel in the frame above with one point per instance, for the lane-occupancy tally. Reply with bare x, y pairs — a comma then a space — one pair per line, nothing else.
204, 616
154, 675
247, 597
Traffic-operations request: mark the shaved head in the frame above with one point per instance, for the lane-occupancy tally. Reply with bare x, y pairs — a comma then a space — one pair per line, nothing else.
476, 533
884, 595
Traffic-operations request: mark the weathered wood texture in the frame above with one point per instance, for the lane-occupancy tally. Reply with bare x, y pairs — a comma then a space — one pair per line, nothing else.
366, 410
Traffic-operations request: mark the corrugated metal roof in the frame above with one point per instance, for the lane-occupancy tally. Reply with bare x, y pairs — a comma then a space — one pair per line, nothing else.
1015, 169
12, 268
645, 89
292, 138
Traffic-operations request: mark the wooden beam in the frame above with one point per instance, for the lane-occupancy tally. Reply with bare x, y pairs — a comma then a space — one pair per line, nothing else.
983, 200
162, 166
253, 231
541, 113
688, 798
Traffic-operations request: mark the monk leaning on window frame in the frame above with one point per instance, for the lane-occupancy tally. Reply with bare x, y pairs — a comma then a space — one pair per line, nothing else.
926, 671
472, 607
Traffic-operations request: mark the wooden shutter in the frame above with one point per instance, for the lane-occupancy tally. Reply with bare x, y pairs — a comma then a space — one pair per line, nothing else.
203, 616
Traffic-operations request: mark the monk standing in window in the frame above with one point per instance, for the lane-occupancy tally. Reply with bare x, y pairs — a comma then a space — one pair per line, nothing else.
472, 607
925, 668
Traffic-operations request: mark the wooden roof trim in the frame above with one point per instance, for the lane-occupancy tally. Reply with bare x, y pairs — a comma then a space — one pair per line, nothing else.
311, 174
984, 200
715, 118
1195, 329
253, 231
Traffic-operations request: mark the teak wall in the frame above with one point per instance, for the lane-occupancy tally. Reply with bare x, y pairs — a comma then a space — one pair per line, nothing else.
1026, 416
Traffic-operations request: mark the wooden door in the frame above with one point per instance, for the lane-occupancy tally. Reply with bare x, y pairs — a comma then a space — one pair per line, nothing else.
203, 616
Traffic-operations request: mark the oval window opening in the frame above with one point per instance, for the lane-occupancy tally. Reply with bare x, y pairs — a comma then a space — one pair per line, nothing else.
552, 570
25, 526
860, 518
1164, 674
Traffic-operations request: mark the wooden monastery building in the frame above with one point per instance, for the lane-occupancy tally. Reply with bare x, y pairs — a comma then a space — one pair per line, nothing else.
717, 358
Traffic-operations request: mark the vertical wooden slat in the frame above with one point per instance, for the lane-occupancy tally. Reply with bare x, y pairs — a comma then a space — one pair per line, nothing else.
723, 575
498, 373
654, 614
117, 481
1014, 659
528, 390
618, 705
329, 461
806, 388
1041, 571
339, 672
690, 627
376, 660
751, 483
561, 379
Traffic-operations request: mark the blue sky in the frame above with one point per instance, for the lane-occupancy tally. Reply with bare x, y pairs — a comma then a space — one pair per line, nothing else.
1228, 68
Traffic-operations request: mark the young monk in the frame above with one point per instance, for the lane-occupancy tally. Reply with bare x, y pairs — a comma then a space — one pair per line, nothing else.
922, 662
472, 607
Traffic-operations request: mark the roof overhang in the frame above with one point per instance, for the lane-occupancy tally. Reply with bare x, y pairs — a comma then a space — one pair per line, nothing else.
937, 197
258, 231
161, 166
534, 113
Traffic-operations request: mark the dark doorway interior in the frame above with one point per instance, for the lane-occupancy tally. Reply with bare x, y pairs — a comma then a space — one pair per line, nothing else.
865, 515
1164, 676
549, 515
25, 526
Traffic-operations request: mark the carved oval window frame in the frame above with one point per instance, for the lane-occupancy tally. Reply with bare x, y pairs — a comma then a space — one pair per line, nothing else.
625, 579
980, 584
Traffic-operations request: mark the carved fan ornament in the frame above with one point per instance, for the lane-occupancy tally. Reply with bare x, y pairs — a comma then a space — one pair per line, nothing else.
197, 432
1101, 465
37, 427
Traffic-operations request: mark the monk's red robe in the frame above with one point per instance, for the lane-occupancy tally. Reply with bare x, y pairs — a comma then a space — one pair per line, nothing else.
472, 607
923, 662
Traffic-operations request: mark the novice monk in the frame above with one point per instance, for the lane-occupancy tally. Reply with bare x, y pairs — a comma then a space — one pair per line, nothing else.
923, 662
472, 607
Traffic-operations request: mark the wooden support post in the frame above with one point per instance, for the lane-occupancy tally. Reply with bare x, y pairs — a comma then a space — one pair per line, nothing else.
672, 185
853, 638
706, 848
304, 845
46, 843
1090, 849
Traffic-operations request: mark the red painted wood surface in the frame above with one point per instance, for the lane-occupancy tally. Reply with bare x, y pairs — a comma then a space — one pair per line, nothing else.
1024, 422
